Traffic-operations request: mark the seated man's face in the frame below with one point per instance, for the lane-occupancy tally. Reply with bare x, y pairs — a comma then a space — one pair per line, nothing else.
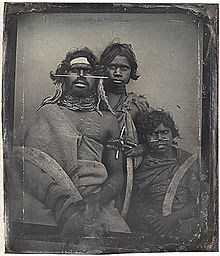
78, 84
119, 71
160, 139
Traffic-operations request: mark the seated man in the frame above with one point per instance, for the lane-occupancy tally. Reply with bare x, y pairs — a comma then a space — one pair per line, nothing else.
64, 149
166, 186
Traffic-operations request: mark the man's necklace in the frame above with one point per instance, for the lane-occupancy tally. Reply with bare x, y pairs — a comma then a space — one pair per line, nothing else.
79, 103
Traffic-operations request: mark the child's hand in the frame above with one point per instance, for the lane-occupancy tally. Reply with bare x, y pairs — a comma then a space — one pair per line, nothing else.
128, 142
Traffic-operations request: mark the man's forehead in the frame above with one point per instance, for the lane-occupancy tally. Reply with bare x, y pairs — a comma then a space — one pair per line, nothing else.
81, 65
80, 60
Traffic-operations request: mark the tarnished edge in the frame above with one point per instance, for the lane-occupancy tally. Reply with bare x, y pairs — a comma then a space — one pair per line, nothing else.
208, 13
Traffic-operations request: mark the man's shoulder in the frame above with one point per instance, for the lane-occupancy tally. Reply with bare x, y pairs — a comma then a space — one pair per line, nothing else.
48, 108
48, 112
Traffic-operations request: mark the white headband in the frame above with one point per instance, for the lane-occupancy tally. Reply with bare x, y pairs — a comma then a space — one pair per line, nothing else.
79, 60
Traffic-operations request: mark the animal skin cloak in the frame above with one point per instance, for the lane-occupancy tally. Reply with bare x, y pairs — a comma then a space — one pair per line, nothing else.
79, 156
123, 109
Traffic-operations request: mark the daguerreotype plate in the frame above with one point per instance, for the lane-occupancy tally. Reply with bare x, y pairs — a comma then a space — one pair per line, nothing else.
176, 49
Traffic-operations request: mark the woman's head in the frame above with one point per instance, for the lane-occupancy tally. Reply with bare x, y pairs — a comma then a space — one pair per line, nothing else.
118, 49
157, 129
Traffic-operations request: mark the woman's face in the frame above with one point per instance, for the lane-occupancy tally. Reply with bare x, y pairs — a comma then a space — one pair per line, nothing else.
119, 71
160, 139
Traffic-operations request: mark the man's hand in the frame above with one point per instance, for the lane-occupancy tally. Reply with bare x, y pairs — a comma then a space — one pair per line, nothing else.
92, 204
92, 199
86, 219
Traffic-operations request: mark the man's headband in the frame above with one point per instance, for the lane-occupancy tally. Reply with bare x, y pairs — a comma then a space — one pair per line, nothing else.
79, 60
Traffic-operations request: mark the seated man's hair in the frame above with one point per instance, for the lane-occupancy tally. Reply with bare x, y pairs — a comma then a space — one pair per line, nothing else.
114, 49
148, 121
64, 67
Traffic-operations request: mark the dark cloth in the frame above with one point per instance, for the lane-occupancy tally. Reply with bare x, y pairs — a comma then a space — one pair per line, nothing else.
151, 182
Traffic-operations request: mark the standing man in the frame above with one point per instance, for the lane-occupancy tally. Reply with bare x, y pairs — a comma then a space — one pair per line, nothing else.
120, 66
64, 149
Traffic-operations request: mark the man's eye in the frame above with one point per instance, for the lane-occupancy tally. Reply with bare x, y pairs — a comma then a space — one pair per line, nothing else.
112, 67
164, 132
74, 70
87, 72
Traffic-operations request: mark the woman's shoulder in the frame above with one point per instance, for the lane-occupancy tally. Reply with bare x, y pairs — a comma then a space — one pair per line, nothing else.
134, 102
183, 155
140, 101
131, 96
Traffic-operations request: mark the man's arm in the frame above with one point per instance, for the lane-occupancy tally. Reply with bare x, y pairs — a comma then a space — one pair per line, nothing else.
113, 184
114, 166
37, 182
110, 189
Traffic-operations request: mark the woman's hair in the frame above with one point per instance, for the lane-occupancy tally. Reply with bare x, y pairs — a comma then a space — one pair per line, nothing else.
148, 121
115, 49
